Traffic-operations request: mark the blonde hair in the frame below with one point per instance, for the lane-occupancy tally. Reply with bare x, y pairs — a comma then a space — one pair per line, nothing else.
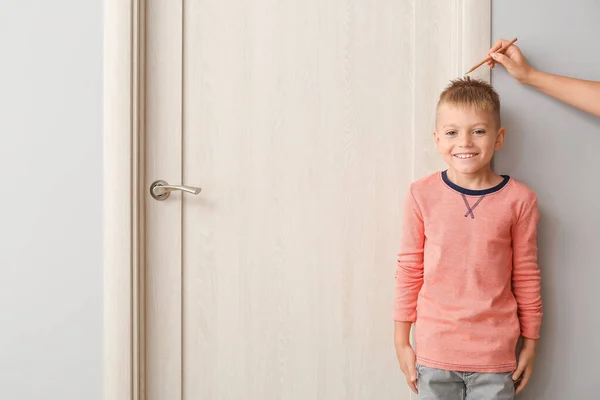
472, 93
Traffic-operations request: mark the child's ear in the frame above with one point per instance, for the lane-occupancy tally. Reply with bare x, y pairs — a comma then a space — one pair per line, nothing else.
436, 138
500, 139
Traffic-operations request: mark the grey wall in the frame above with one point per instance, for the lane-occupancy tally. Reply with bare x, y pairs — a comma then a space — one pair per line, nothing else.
554, 149
50, 200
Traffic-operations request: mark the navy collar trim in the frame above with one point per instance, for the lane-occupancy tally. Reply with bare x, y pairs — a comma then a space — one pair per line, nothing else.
470, 192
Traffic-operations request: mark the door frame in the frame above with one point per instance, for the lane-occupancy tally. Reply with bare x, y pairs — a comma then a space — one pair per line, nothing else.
468, 38
124, 27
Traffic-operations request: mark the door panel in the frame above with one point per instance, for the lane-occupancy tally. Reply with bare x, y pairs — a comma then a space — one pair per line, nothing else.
163, 219
297, 120
291, 130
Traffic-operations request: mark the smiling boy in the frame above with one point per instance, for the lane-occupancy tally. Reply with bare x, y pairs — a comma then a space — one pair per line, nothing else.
467, 272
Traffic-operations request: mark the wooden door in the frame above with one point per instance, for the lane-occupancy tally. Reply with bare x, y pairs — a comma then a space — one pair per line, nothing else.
297, 120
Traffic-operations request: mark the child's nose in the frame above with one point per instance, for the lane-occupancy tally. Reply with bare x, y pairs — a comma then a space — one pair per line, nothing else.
465, 141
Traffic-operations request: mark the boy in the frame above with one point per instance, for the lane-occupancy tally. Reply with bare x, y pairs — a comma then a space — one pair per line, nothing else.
467, 271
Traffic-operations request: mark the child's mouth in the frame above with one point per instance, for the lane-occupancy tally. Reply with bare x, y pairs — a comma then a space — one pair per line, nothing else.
465, 156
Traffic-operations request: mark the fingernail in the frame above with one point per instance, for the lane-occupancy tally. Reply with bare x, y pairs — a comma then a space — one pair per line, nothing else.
494, 55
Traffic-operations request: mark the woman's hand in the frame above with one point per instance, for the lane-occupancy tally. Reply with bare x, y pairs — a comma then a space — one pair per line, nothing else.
513, 60
579, 93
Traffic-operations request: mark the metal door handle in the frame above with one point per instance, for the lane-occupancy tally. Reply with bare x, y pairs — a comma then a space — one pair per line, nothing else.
160, 190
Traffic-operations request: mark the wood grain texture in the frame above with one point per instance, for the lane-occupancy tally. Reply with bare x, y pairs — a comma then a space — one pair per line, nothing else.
123, 207
117, 210
163, 222
297, 125
476, 36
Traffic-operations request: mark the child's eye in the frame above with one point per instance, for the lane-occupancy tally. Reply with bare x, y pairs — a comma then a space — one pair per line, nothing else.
451, 133
479, 132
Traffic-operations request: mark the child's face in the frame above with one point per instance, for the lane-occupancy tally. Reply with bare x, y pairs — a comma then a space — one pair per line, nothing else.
467, 137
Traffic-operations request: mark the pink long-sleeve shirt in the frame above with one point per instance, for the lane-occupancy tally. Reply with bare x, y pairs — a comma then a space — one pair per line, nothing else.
467, 273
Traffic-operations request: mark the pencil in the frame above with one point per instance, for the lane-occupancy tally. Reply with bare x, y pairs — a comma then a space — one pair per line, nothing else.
488, 58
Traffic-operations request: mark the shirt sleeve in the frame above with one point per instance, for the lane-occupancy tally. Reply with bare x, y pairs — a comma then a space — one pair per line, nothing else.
526, 280
409, 271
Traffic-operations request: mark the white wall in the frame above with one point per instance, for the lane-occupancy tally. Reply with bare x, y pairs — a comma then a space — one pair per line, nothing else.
554, 149
51, 199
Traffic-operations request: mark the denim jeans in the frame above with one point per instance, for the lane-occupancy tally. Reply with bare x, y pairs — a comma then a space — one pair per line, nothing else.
438, 384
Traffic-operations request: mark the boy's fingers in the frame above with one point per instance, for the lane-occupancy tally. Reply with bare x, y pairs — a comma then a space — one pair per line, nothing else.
412, 373
412, 385
521, 385
517, 374
411, 377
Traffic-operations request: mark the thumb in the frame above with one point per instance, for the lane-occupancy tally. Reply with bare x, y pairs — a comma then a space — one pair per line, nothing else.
517, 374
502, 59
412, 373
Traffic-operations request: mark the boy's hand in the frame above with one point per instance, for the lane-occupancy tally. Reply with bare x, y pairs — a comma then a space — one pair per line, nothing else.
513, 60
408, 361
524, 365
